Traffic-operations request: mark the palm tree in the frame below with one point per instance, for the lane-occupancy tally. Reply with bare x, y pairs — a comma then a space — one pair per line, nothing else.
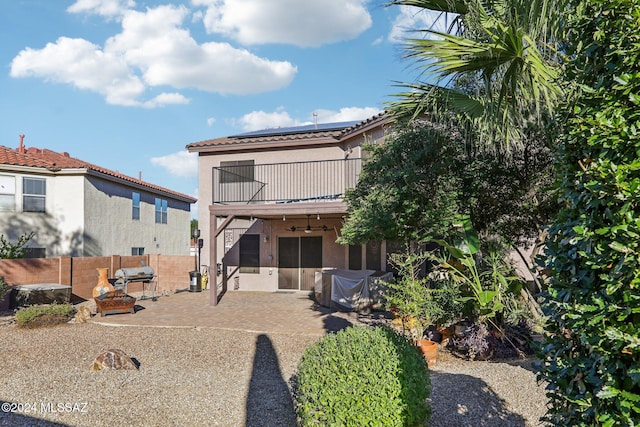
509, 47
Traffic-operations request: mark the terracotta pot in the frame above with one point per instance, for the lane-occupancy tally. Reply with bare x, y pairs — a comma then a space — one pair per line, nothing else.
103, 285
429, 350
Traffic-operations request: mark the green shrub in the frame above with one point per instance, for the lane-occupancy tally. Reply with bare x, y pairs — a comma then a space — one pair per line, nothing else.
591, 354
363, 377
44, 315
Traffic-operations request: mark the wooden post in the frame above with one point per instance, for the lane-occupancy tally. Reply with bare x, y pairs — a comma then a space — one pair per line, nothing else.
214, 232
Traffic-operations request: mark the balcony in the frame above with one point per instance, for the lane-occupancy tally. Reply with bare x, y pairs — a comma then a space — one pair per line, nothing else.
314, 181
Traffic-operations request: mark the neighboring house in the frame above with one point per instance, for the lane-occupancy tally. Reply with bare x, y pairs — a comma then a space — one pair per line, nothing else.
79, 209
272, 203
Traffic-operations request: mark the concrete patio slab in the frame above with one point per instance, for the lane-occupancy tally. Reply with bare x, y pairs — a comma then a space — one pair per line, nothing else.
261, 312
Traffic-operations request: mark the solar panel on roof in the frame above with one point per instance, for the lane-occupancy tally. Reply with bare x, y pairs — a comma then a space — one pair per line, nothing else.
322, 127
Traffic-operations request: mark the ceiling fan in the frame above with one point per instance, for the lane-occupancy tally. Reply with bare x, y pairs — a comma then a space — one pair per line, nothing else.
308, 229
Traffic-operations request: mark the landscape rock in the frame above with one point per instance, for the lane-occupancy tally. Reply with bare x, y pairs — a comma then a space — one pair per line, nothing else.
113, 359
83, 315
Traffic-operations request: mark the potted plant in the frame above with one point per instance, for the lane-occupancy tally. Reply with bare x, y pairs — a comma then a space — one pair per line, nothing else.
411, 300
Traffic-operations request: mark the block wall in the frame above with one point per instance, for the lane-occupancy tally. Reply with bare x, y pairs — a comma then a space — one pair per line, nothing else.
172, 271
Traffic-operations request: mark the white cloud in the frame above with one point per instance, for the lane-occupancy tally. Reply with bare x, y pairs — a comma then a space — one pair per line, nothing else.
211, 121
195, 206
152, 50
83, 65
257, 120
302, 23
182, 163
347, 114
107, 8
155, 43
414, 18
166, 99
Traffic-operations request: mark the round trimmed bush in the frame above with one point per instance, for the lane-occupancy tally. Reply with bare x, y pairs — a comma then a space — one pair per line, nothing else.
362, 376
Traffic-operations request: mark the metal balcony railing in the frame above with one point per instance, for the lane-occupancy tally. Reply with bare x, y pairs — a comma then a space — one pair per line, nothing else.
284, 182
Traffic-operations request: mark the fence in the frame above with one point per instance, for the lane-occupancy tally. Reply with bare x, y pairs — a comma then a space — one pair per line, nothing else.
172, 272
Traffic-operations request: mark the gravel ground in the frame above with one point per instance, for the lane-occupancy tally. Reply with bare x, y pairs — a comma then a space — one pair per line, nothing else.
209, 377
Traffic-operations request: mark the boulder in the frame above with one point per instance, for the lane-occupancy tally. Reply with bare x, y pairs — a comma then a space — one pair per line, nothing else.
113, 359
83, 315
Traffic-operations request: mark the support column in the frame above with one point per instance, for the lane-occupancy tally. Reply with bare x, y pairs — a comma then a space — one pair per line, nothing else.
213, 260
214, 232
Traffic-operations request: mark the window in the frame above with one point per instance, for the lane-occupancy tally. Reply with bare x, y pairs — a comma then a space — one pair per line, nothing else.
7, 193
250, 253
236, 171
373, 253
34, 193
161, 211
135, 205
137, 251
355, 257
35, 253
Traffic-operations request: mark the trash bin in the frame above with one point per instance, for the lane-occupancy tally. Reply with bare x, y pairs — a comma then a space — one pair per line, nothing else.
195, 281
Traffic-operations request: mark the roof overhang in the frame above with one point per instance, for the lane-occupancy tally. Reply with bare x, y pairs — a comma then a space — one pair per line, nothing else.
279, 209
30, 170
142, 187
248, 145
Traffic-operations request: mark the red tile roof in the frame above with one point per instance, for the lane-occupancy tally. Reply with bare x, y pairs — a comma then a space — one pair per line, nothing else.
53, 161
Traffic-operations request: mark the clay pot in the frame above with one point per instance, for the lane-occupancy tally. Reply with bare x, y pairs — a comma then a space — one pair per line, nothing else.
429, 350
103, 285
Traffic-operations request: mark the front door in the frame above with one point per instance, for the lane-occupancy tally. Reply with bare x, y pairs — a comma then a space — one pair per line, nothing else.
299, 258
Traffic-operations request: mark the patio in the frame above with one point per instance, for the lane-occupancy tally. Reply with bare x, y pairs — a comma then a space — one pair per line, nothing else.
259, 312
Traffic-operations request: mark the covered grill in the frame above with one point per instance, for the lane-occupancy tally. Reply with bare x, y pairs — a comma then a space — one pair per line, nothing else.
144, 275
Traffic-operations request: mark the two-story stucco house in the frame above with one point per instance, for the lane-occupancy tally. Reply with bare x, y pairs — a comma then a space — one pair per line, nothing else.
272, 203
79, 209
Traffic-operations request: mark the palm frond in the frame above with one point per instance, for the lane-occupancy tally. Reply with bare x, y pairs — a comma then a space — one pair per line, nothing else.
449, 6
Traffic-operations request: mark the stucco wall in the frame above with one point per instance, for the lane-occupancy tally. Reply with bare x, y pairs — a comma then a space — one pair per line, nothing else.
208, 162
334, 255
110, 228
60, 229
89, 216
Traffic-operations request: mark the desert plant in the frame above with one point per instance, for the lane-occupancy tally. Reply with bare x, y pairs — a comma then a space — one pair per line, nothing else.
16, 250
480, 342
362, 376
489, 280
408, 294
493, 288
44, 315
445, 299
